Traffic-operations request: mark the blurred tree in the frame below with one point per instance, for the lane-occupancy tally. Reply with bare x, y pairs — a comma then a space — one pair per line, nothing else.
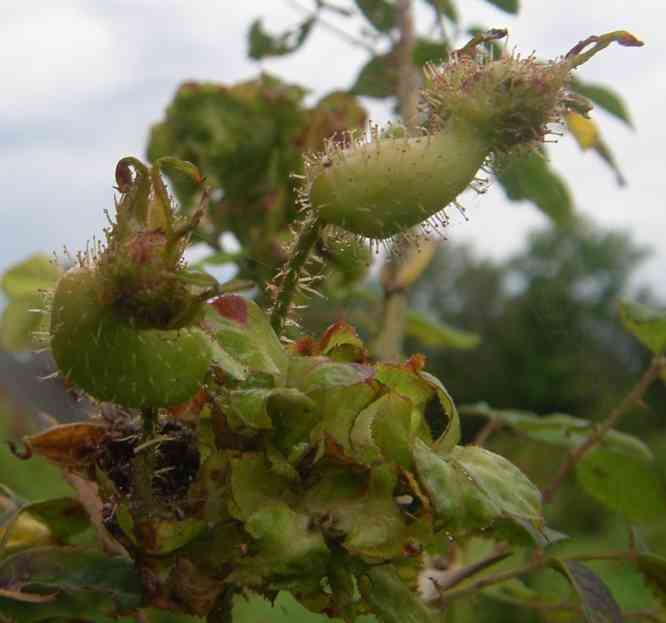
548, 318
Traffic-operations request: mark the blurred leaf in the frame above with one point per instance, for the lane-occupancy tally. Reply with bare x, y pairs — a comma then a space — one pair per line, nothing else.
392, 600
64, 518
252, 608
19, 322
588, 136
599, 605
380, 13
585, 130
510, 6
653, 570
647, 324
26, 278
627, 484
446, 7
473, 489
604, 97
532, 179
437, 335
263, 44
84, 584
377, 78
429, 51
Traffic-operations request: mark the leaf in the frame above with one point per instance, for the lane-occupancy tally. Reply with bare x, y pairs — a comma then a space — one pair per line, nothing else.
288, 545
532, 179
340, 342
472, 489
429, 51
653, 570
19, 322
64, 517
647, 324
620, 472
252, 608
446, 7
392, 600
360, 510
29, 277
70, 446
584, 130
604, 98
599, 605
626, 483
588, 136
438, 335
377, 78
380, 13
244, 332
510, 6
263, 44
85, 584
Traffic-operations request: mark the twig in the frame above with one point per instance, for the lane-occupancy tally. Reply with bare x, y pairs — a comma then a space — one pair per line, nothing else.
488, 429
633, 397
338, 32
535, 565
388, 344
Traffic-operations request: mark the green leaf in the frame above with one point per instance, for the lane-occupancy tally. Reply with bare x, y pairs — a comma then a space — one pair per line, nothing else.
83, 584
624, 482
653, 570
252, 608
254, 485
429, 51
380, 13
263, 44
392, 600
29, 277
437, 335
288, 545
604, 97
377, 78
20, 320
244, 332
647, 324
361, 509
620, 472
473, 489
510, 6
599, 605
531, 178
446, 7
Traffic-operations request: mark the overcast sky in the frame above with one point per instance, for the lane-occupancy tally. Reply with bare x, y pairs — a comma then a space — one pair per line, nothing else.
83, 80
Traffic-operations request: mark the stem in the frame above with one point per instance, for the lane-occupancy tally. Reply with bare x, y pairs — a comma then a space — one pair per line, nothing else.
632, 398
143, 466
291, 273
388, 345
534, 565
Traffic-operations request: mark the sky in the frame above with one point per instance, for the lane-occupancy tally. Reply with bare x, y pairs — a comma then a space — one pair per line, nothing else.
84, 80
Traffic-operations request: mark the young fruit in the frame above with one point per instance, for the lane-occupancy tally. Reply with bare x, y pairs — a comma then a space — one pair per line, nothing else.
480, 111
99, 351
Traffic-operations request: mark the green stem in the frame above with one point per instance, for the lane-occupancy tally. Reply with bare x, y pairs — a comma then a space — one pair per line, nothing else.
291, 273
143, 467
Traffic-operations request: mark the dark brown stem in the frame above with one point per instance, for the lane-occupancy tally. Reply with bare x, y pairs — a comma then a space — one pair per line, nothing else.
490, 427
632, 398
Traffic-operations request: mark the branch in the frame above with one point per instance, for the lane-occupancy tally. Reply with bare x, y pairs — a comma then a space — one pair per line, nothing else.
633, 397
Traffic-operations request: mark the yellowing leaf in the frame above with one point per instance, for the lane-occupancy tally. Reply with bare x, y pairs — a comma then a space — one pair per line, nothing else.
584, 130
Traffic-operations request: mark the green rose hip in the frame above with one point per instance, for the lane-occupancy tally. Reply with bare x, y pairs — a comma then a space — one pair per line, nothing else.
98, 351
